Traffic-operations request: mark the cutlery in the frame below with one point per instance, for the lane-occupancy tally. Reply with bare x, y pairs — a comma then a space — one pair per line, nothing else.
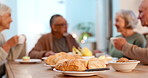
98, 69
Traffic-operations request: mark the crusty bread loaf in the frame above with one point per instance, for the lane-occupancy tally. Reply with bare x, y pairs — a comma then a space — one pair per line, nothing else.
62, 57
94, 63
50, 60
84, 61
76, 56
60, 54
71, 65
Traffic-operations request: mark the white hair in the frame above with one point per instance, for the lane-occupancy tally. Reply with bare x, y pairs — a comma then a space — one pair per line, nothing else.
4, 9
129, 17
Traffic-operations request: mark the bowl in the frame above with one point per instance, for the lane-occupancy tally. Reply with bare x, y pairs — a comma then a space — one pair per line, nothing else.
125, 66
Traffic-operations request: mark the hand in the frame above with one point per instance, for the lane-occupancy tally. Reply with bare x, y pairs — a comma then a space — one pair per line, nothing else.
10, 43
119, 42
97, 51
49, 53
13, 41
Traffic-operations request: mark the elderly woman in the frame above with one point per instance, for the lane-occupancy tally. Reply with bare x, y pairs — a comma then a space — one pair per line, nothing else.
126, 21
8, 49
56, 41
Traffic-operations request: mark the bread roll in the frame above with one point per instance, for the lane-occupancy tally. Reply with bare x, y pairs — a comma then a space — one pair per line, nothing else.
84, 61
60, 54
94, 63
76, 56
71, 65
62, 57
123, 60
50, 60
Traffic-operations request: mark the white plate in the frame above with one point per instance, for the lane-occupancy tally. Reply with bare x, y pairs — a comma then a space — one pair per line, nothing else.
44, 58
78, 73
49, 65
31, 61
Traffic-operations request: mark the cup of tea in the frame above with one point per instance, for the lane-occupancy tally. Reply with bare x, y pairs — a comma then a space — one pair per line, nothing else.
21, 39
112, 39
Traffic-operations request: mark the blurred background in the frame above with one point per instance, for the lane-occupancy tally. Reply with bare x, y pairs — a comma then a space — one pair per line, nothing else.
91, 22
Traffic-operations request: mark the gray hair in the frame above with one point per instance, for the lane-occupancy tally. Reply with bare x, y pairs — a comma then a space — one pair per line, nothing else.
129, 17
4, 9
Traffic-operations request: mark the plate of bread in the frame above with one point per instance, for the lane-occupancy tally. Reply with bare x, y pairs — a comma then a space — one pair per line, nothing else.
75, 65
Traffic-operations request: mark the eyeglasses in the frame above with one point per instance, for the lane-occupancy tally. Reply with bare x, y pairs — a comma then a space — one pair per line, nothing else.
61, 24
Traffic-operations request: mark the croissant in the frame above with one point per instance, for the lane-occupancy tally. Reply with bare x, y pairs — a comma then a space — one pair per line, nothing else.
76, 56
71, 65
60, 54
62, 57
50, 60
96, 63
85, 62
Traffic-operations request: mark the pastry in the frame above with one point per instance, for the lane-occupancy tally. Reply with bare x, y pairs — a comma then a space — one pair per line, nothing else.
71, 65
26, 58
94, 63
123, 60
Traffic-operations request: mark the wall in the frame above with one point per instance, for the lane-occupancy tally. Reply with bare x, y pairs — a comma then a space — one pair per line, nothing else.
2, 1
101, 25
33, 18
81, 11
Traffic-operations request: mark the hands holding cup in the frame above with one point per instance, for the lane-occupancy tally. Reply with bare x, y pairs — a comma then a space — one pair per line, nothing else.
12, 42
118, 42
112, 40
16, 40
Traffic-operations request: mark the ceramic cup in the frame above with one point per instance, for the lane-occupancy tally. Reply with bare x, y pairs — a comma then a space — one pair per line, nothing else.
112, 40
21, 39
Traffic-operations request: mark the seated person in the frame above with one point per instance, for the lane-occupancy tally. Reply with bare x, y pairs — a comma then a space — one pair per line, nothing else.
56, 41
8, 49
126, 21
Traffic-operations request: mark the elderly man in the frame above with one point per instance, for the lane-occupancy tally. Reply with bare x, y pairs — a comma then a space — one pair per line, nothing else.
56, 41
8, 49
134, 51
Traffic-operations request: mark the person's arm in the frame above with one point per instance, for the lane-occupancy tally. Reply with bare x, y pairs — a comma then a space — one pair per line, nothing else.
3, 54
140, 41
10, 43
136, 52
39, 50
4, 49
131, 51
18, 52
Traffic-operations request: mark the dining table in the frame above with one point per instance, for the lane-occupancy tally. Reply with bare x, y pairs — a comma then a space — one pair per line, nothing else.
39, 70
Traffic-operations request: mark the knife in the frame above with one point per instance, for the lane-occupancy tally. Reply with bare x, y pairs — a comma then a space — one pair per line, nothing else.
99, 69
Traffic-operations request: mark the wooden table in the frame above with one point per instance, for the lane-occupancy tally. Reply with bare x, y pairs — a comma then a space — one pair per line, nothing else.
16, 70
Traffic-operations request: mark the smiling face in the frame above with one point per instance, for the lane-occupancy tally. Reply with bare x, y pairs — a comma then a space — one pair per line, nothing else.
59, 25
143, 13
120, 23
5, 21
